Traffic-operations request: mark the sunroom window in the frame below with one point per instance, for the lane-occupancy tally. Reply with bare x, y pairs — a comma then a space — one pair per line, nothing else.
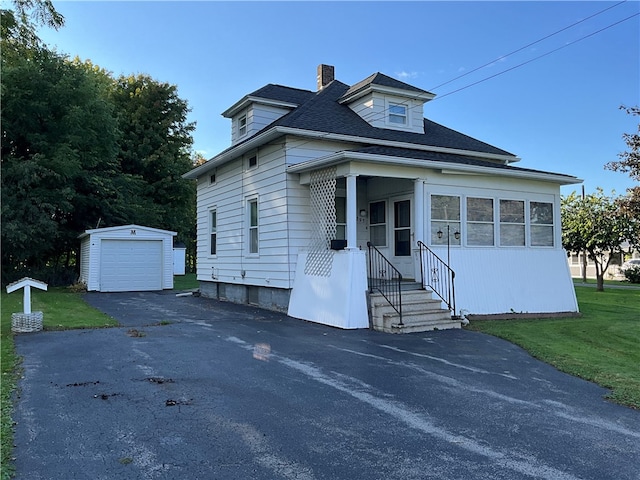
541, 218
479, 221
512, 227
445, 210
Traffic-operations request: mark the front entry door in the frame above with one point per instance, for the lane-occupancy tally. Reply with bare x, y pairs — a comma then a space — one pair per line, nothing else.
402, 236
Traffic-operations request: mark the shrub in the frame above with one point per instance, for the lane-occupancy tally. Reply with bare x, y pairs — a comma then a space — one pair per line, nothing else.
632, 274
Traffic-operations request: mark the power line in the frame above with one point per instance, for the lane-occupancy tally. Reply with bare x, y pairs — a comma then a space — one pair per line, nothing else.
538, 57
527, 46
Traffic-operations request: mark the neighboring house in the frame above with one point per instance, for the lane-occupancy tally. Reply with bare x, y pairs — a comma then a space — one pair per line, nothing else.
361, 164
577, 265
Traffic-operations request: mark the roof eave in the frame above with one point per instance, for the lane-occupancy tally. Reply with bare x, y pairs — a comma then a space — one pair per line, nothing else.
247, 100
416, 95
278, 131
443, 167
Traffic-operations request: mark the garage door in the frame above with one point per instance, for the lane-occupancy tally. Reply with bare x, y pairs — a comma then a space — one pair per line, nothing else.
130, 265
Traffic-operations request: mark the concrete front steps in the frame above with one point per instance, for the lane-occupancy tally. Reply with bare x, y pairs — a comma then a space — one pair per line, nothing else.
420, 313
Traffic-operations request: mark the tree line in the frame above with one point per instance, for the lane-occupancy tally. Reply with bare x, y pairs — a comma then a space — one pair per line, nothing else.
81, 149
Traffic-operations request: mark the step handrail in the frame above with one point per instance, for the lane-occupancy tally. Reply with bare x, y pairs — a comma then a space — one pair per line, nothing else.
440, 278
388, 286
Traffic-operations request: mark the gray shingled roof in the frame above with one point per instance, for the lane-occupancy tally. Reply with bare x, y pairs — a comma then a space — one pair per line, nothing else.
322, 112
444, 157
282, 94
384, 81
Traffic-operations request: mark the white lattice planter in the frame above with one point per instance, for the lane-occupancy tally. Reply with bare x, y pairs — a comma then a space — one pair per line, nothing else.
26, 322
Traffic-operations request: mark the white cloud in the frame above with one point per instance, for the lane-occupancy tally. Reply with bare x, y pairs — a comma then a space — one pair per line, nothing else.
406, 75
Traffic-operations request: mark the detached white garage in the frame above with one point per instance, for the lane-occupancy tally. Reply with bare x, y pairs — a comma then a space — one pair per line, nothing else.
130, 258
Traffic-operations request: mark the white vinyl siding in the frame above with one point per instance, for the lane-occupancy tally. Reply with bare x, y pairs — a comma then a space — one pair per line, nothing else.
375, 109
256, 117
279, 240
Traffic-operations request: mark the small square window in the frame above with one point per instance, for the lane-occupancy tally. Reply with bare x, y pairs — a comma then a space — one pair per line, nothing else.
252, 162
212, 178
397, 114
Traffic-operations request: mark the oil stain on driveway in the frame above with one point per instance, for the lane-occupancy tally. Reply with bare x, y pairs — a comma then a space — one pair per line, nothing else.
190, 388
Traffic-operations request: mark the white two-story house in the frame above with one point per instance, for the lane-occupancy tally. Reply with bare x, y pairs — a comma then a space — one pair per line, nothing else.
327, 196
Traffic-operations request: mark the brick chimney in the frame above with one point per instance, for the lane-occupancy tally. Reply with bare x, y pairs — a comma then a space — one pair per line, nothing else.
325, 75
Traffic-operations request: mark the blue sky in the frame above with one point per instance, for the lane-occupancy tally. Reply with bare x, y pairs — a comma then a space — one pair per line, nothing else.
559, 113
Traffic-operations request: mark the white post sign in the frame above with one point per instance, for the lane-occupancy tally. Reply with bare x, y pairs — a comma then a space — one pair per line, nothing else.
26, 283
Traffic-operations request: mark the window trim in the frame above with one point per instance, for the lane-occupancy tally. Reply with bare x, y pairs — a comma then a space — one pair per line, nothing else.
552, 225
468, 222
213, 231
243, 125
250, 228
453, 242
386, 230
248, 158
389, 105
523, 223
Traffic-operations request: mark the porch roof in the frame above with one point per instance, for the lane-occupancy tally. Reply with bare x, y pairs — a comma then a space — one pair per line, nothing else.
432, 160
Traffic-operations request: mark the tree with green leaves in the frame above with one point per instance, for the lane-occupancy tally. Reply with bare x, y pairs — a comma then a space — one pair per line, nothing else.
155, 150
597, 225
630, 163
59, 158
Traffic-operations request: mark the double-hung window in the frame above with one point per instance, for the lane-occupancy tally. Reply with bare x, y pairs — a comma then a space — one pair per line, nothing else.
541, 218
252, 213
213, 231
445, 211
480, 221
398, 114
242, 126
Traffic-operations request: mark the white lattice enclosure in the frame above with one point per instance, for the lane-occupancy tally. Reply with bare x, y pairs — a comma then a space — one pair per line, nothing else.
323, 220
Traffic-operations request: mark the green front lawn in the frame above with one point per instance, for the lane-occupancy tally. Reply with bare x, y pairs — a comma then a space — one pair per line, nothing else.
601, 346
185, 282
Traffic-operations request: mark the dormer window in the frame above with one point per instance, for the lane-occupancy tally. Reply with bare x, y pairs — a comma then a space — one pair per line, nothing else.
242, 125
397, 114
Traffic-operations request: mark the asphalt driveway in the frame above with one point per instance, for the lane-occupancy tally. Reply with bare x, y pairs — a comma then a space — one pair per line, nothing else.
190, 388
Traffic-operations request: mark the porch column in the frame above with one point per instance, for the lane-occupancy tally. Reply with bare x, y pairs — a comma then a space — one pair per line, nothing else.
418, 202
352, 213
